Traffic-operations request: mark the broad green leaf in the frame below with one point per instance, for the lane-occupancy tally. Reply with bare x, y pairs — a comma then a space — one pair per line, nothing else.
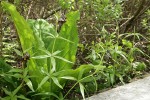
43, 30
63, 42
24, 31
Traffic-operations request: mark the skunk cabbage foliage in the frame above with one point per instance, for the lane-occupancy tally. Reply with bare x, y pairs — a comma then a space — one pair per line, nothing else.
50, 52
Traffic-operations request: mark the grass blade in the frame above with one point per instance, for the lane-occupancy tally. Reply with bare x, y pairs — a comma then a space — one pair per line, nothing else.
55, 80
43, 82
61, 58
82, 90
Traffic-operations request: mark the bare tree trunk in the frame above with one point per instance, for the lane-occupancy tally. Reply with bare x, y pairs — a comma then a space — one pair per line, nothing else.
136, 10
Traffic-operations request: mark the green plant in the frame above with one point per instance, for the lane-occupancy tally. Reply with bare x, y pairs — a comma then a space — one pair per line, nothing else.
118, 57
50, 72
13, 82
52, 54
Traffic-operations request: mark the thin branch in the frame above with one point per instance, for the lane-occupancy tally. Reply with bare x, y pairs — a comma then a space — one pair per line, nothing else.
29, 10
52, 12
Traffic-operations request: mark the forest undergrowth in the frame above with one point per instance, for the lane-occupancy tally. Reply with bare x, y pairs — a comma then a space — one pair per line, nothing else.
56, 50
